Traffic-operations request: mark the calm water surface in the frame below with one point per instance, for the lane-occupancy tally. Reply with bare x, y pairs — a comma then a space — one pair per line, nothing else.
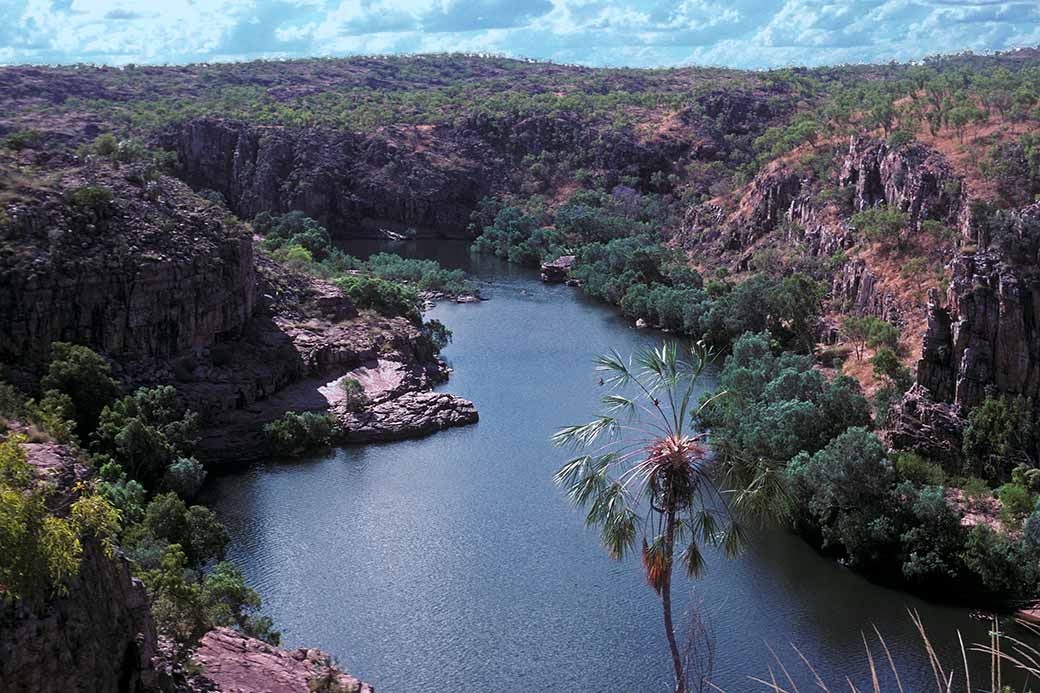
452, 562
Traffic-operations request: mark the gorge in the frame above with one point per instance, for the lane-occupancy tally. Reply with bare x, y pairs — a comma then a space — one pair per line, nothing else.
200, 244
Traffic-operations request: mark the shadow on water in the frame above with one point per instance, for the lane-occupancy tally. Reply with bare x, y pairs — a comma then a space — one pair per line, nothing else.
453, 560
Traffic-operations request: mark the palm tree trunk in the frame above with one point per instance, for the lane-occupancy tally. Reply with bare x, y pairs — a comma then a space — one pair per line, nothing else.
666, 603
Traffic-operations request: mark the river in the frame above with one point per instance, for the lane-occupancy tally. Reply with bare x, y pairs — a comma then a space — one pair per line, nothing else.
453, 562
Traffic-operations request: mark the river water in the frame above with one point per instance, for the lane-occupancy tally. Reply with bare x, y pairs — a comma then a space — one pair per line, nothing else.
454, 563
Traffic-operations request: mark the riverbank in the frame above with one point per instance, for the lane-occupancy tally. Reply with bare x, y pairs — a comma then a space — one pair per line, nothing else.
458, 550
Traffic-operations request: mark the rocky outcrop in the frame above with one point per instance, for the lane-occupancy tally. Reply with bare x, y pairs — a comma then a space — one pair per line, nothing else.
930, 428
142, 269
410, 415
987, 335
356, 185
234, 663
157, 279
304, 338
99, 636
912, 178
556, 272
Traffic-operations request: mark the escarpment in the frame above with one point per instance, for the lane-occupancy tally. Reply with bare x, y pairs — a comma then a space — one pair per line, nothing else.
135, 268
356, 185
99, 635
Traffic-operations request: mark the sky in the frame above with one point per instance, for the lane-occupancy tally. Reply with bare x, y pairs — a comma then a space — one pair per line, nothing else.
637, 33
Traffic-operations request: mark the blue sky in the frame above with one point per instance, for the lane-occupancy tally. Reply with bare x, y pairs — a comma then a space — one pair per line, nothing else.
641, 33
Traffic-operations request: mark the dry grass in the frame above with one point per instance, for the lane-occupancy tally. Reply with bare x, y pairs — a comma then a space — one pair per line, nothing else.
1006, 653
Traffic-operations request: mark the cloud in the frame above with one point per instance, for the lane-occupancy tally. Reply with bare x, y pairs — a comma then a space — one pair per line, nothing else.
737, 33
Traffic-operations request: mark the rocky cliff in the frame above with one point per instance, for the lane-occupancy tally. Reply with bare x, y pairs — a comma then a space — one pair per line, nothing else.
169, 286
100, 635
356, 185
985, 334
137, 268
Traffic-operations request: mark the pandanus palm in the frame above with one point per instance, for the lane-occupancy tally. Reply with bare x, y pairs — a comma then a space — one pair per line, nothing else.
645, 474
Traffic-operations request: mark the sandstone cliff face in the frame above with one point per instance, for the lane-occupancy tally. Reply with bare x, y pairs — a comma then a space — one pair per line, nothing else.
148, 274
355, 185
986, 335
99, 637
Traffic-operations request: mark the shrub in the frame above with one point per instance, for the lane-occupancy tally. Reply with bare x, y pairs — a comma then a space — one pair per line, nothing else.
976, 493
186, 604
377, 294
912, 467
438, 334
354, 395
91, 198
86, 378
184, 477
1016, 503
882, 225
843, 491
146, 432
23, 139
195, 529
999, 436
297, 432
41, 552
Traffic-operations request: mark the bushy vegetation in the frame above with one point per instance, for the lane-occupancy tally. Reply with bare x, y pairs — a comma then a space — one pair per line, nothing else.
1001, 435
41, 550
141, 447
621, 261
385, 282
808, 442
297, 432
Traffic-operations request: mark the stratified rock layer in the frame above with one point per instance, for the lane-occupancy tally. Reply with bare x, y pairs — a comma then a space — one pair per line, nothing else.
151, 272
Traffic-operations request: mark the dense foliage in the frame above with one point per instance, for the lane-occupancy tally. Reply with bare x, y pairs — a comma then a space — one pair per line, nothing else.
42, 550
801, 438
141, 447
620, 260
296, 432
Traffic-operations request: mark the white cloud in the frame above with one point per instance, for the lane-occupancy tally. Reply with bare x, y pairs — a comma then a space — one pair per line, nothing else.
740, 33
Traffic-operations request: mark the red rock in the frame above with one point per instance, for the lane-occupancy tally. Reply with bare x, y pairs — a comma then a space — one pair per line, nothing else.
235, 663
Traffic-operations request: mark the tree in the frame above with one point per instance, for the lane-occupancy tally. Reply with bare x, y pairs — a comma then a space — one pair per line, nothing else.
354, 396
644, 475
196, 529
146, 433
799, 299
40, 552
843, 490
85, 378
883, 225
1000, 434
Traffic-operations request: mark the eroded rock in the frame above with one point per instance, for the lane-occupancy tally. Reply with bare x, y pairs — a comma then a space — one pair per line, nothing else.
234, 663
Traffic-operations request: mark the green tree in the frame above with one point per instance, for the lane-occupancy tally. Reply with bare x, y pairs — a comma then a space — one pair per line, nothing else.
85, 378
1000, 435
843, 490
646, 477
146, 433
883, 225
297, 432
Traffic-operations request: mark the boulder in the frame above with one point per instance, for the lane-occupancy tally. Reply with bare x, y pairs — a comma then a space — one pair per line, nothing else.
234, 663
556, 272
